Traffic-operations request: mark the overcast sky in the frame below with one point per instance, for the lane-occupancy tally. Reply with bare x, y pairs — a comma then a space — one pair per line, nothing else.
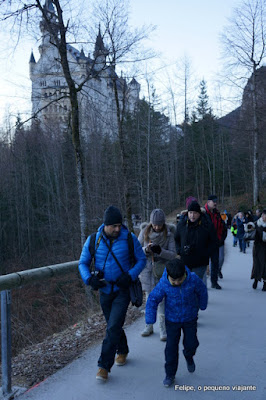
190, 27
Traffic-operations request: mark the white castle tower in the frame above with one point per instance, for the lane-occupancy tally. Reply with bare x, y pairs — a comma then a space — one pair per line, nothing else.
96, 100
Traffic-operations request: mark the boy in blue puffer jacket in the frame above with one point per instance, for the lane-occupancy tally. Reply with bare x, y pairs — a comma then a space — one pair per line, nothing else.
184, 294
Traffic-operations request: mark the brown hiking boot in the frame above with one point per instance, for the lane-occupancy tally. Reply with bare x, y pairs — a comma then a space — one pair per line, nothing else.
102, 374
121, 359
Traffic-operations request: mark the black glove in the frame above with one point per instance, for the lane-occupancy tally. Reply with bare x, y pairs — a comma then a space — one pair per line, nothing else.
124, 280
95, 282
155, 248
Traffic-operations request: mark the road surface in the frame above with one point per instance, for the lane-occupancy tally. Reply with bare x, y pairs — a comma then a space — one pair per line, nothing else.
230, 361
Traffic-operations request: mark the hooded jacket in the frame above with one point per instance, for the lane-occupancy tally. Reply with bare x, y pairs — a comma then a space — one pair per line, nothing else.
196, 242
168, 252
104, 260
182, 303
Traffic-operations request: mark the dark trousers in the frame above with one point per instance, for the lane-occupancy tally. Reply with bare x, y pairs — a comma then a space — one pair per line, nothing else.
242, 245
190, 342
215, 265
114, 306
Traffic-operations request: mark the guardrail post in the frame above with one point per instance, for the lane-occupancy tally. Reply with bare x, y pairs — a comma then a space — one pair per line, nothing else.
6, 341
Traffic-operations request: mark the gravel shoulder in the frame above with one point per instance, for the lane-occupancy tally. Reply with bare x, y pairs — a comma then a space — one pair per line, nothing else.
35, 363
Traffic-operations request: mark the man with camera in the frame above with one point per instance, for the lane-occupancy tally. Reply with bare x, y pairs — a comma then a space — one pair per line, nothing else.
112, 275
196, 239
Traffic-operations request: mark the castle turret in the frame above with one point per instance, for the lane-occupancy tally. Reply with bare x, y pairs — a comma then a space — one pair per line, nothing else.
100, 52
134, 89
133, 94
32, 63
51, 16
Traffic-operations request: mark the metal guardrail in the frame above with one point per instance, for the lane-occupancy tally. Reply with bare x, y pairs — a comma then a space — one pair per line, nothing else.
12, 281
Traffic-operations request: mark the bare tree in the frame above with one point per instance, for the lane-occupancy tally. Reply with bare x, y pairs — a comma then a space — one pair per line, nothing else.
53, 23
244, 42
123, 47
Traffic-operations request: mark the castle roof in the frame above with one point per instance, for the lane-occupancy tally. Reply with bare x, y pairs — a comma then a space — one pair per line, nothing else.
99, 45
133, 82
82, 55
75, 53
32, 59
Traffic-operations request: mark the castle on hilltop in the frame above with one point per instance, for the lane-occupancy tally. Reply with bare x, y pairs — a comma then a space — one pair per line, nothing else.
50, 104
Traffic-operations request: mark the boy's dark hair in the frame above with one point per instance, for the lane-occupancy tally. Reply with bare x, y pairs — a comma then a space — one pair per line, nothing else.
175, 268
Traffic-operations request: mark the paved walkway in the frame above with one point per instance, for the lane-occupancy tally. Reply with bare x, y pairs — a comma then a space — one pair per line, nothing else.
230, 361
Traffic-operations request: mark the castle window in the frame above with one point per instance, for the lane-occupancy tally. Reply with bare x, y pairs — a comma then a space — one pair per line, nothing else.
57, 83
43, 83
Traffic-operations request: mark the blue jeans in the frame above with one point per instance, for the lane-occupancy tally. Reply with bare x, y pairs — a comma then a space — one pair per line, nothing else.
199, 271
242, 245
114, 306
190, 342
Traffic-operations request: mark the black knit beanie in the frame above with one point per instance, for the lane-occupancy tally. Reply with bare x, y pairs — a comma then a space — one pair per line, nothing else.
112, 216
212, 197
194, 206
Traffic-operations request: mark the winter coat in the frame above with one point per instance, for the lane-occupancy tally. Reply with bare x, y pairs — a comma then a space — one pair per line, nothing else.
104, 261
182, 303
196, 242
168, 252
218, 223
259, 251
240, 227
234, 227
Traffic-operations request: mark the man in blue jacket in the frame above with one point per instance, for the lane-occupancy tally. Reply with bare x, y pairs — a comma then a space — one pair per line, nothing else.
112, 275
184, 294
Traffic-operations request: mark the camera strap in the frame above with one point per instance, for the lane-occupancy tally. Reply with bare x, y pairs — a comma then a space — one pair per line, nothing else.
93, 249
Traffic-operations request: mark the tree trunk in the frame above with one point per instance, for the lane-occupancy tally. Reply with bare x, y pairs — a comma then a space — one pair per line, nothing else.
255, 142
125, 167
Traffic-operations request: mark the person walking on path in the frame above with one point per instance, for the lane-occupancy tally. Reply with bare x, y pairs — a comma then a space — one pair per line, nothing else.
184, 294
259, 252
240, 222
234, 231
217, 258
111, 254
257, 215
157, 240
196, 239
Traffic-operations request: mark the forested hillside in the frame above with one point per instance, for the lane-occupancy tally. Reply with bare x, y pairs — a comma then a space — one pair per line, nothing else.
39, 202
56, 183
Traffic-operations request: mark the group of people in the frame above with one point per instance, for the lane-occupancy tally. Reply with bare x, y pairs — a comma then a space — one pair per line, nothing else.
171, 262
246, 227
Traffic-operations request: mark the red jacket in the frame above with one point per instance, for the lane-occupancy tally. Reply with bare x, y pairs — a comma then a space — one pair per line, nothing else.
218, 223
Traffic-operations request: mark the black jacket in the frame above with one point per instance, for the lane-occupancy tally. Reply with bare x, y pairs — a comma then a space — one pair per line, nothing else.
196, 242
